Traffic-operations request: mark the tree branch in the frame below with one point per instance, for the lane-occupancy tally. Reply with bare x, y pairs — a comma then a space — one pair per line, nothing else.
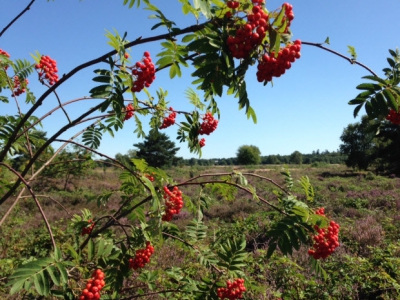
35, 199
349, 59
17, 17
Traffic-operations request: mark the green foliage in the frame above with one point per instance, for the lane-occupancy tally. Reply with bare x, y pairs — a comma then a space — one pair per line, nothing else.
195, 253
307, 188
157, 149
381, 95
248, 155
358, 142
40, 273
233, 255
296, 158
92, 137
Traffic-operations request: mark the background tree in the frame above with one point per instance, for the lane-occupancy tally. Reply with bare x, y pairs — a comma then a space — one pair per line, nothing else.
366, 146
248, 155
126, 158
387, 149
158, 150
296, 158
359, 140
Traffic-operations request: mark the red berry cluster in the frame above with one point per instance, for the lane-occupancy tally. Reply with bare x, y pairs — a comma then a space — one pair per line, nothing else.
170, 120
142, 257
209, 124
233, 290
144, 71
149, 177
249, 35
271, 66
47, 68
232, 4
94, 286
393, 117
288, 12
129, 110
89, 228
19, 88
327, 239
202, 142
2, 52
173, 202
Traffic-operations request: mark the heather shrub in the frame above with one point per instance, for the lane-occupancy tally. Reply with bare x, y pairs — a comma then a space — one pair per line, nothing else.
366, 232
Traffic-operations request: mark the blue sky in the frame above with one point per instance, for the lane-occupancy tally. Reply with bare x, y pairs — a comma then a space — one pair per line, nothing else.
305, 110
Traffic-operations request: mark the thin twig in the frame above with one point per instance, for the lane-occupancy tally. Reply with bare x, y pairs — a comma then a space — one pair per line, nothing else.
349, 59
52, 199
43, 147
17, 17
35, 199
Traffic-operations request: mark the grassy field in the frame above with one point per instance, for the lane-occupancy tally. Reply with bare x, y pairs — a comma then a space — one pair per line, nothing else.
366, 265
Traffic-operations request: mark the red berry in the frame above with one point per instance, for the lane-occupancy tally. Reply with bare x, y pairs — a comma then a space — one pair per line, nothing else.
173, 202
327, 239
233, 290
202, 142
208, 125
129, 112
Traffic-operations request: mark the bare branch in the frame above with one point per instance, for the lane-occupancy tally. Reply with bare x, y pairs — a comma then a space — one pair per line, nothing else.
35, 199
17, 17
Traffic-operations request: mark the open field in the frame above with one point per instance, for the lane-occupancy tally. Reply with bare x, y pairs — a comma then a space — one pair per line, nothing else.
366, 265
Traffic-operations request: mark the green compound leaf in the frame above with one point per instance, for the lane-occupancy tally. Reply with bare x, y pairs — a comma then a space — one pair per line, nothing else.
33, 272
391, 99
369, 87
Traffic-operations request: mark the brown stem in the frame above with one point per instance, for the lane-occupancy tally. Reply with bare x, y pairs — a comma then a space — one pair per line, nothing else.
121, 165
16, 18
115, 217
349, 59
36, 174
238, 186
52, 199
28, 144
269, 180
50, 112
35, 199
60, 105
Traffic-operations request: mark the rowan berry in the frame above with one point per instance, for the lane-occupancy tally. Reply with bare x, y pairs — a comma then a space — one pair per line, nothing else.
247, 36
93, 288
170, 120
47, 69
129, 111
149, 177
233, 4
2, 52
202, 142
173, 202
142, 257
144, 73
233, 290
270, 66
327, 240
89, 228
208, 125
393, 117
18, 86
